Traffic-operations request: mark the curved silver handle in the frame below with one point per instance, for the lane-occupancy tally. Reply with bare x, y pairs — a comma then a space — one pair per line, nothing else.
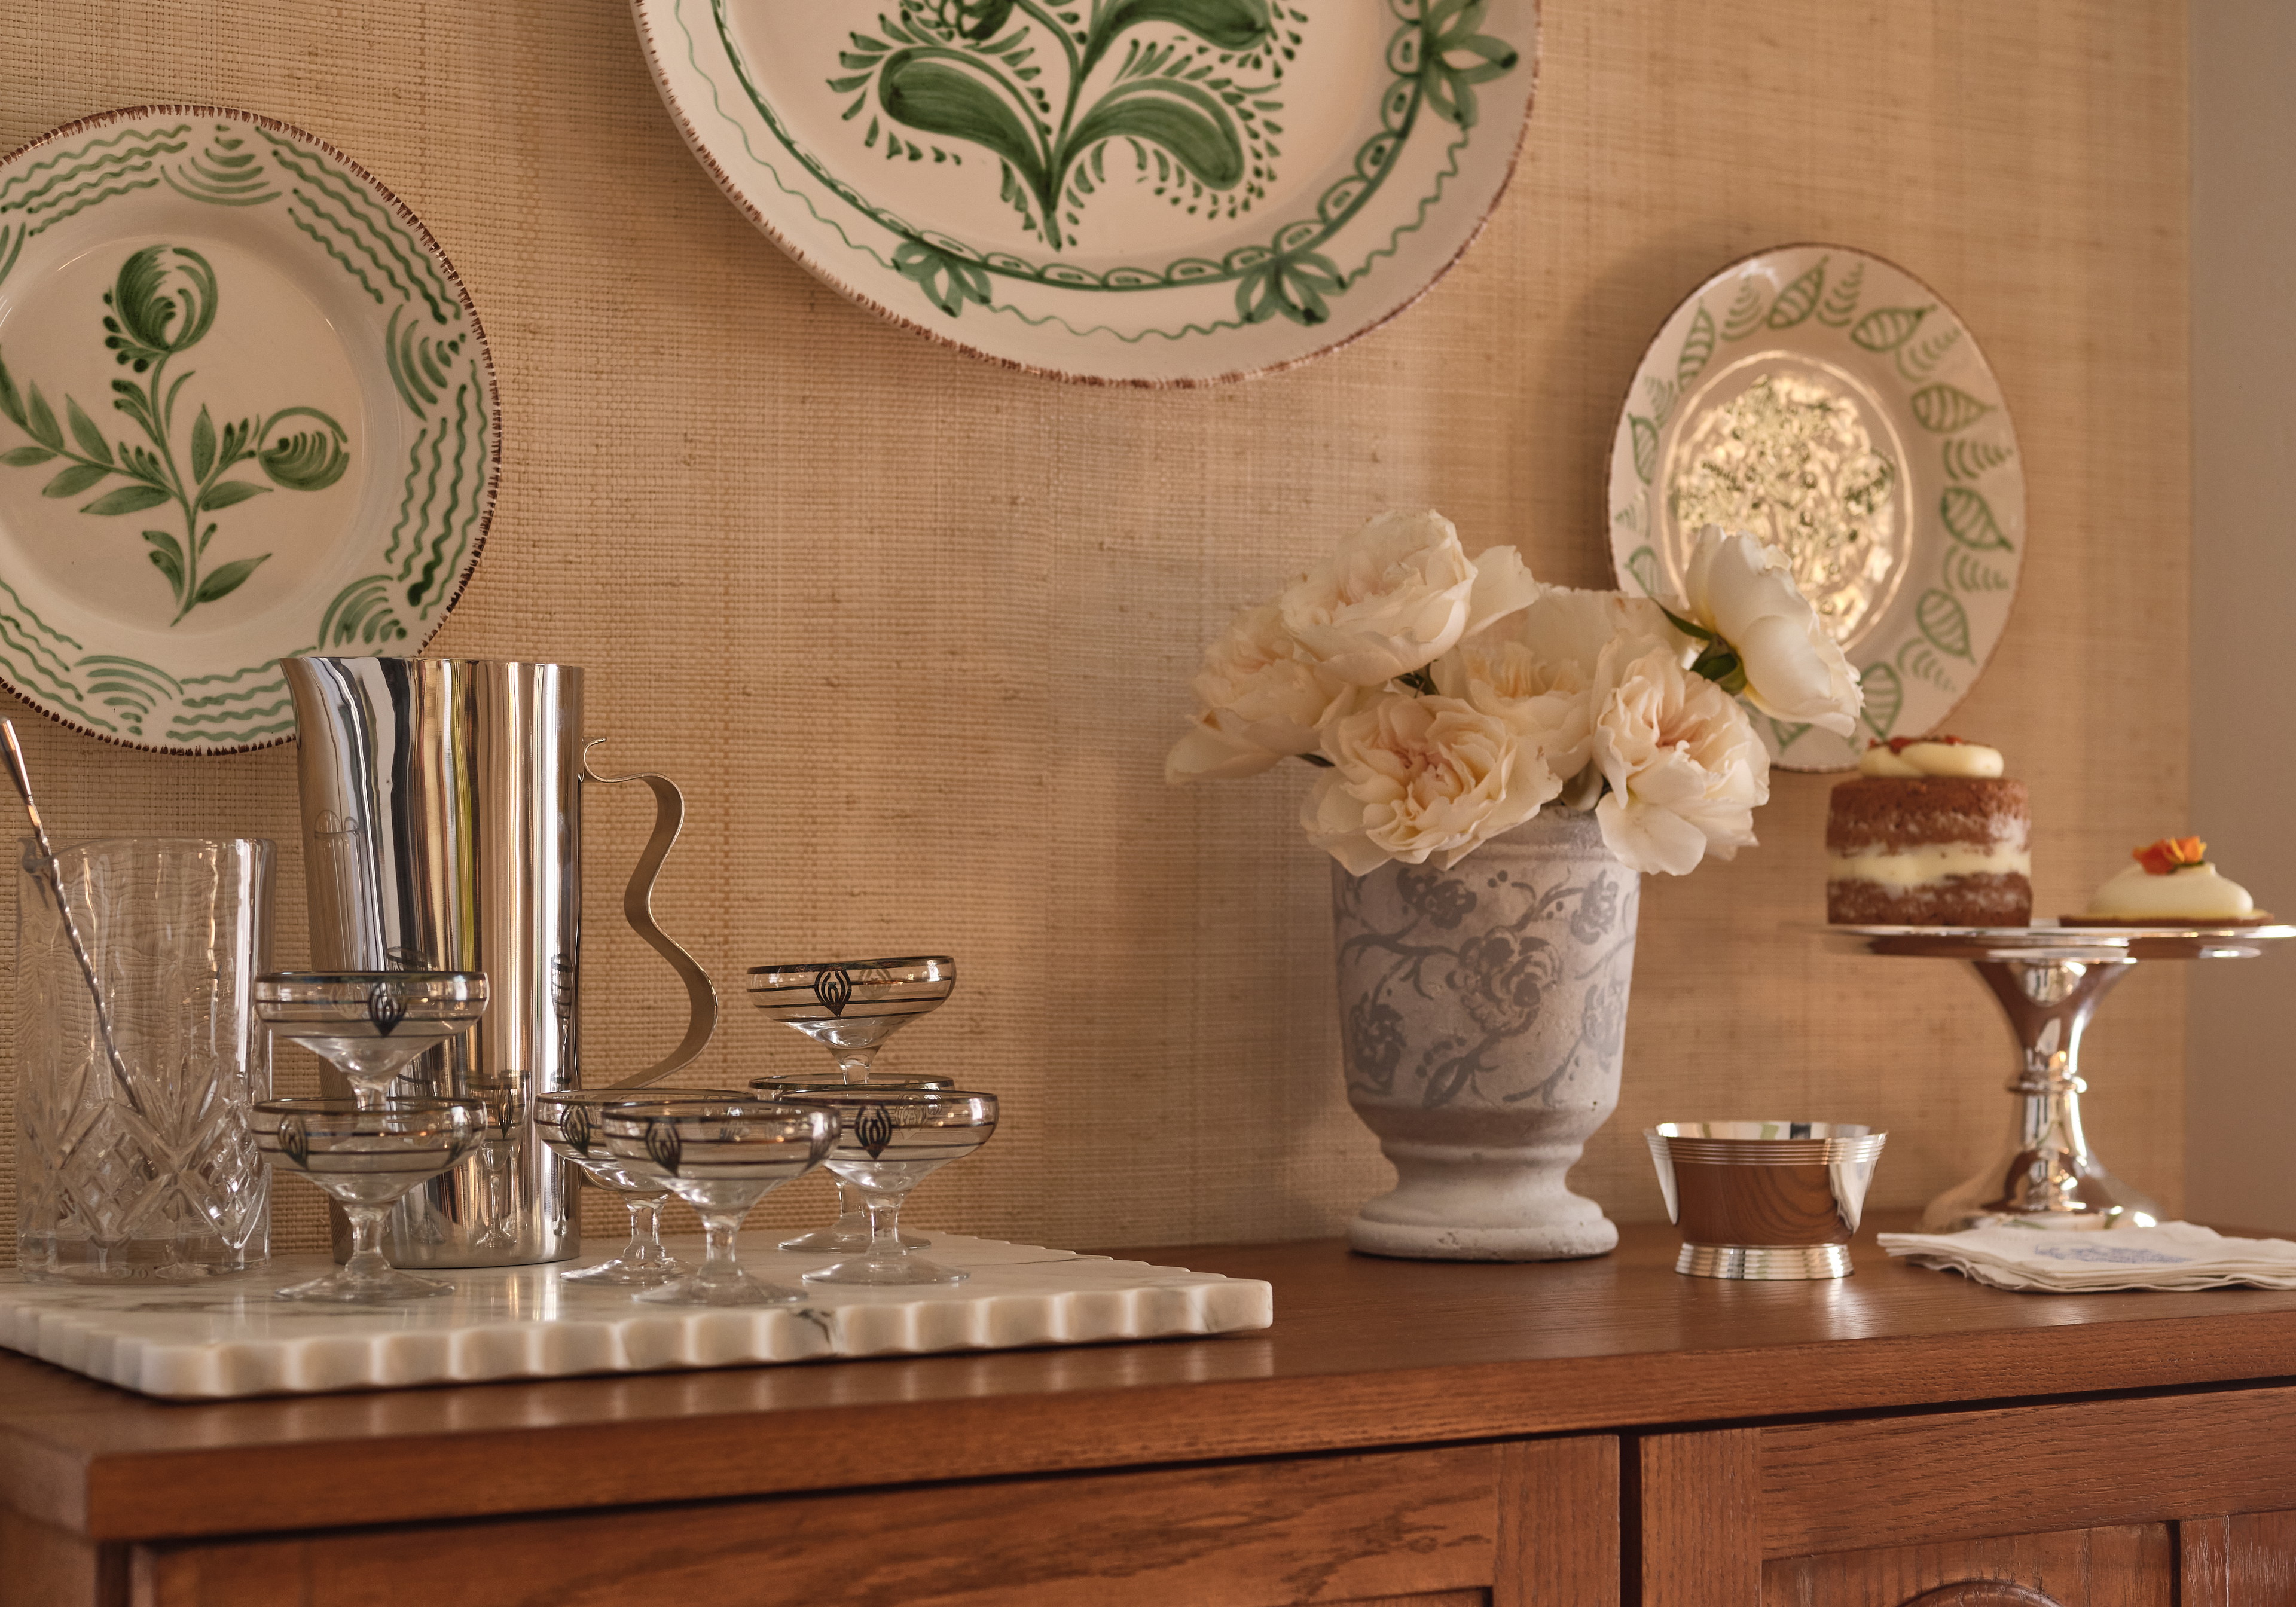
637, 909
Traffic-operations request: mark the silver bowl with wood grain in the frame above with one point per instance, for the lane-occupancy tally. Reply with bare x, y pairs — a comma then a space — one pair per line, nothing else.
1765, 1199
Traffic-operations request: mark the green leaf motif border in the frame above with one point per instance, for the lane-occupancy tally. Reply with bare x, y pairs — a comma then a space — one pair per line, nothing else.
435, 355
1939, 644
1292, 275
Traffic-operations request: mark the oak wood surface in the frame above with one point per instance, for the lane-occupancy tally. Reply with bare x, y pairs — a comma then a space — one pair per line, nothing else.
2204, 1562
2259, 1561
1396, 1526
2129, 1566
1365, 1353
1558, 1523
1961, 1475
1701, 1518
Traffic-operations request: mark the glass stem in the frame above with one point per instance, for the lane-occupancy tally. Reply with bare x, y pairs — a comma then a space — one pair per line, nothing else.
644, 1248
718, 1261
851, 1207
884, 1209
853, 1064
366, 1259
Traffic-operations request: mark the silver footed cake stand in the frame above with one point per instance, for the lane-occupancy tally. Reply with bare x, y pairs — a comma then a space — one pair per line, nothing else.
2049, 980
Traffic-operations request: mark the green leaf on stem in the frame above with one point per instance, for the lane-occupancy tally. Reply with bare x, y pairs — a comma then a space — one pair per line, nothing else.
128, 499
227, 579
75, 479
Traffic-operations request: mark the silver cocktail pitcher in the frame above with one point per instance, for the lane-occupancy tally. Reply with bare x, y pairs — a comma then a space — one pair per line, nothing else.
442, 830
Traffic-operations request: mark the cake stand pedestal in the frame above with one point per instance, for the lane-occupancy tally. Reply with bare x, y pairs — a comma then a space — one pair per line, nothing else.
2049, 980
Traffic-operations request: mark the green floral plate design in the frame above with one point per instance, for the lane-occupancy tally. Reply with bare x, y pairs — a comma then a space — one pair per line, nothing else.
1834, 406
1153, 191
246, 411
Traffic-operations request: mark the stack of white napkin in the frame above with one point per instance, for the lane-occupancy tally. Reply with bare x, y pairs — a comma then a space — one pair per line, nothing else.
2174, 1255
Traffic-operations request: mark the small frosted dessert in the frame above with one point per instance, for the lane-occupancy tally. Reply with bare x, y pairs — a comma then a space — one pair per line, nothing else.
1929, 833
2172, 884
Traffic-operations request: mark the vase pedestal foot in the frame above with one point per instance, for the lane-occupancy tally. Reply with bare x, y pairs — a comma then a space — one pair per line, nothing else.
1459, 1207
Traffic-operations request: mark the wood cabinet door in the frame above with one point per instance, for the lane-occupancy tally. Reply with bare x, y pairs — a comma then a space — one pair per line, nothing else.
2160, 1499
1507, 1525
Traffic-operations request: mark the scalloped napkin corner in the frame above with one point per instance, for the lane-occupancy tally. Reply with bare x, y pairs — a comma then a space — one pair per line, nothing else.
2174, 1255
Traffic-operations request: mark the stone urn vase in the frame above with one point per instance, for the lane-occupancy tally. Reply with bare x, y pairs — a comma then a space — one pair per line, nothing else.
1483, 1013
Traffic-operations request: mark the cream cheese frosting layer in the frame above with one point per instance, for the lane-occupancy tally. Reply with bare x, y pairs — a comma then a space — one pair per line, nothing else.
2192, 892
1971, 760
1931, 861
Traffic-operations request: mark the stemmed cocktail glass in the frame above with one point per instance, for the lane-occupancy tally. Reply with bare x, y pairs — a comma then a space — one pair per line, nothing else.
366, 1157
888, 1139
850, 1007
849, 1234
370, 1025
570, 1124
720, 1157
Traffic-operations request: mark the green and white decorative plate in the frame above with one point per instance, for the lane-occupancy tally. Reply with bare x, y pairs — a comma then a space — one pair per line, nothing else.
246, 411
1153, 191
1836, 407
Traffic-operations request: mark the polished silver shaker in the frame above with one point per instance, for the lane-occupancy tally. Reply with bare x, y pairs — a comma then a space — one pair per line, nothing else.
442, 830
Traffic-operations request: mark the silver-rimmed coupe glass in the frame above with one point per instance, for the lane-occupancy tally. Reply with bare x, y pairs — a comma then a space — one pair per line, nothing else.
364, 1158
570, 1122
849, 1234
721, 1158
369, 1025
850, 1007
888, 1139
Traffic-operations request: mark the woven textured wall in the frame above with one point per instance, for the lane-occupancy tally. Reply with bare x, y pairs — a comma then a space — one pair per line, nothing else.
914, 632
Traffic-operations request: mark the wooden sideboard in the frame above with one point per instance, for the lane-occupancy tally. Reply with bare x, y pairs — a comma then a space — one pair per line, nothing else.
1599, 1433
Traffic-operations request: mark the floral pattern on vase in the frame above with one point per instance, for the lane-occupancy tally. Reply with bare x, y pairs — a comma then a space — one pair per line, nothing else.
1483, 1018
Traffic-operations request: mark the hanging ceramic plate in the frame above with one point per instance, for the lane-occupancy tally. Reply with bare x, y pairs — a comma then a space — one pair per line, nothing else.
1160, 192
1835, 407
245, 410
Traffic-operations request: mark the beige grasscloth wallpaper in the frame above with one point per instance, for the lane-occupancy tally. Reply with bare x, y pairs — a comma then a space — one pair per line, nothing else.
914, 632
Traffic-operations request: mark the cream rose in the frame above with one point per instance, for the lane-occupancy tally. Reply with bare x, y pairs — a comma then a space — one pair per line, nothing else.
1536, 668
1419, 778
1263, 699
1685, 770
1744, 593
1394, 596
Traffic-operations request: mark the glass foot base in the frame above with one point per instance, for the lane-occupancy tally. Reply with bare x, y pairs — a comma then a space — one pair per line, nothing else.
841, 1240
623, 1272
381, 1289
740, 1290
873, 1271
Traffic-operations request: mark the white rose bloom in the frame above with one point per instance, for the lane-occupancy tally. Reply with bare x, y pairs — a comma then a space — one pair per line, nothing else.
1502, 588
1744, 593
1394, 596
1686, 771
1263, 700
1415, 778
1536, 669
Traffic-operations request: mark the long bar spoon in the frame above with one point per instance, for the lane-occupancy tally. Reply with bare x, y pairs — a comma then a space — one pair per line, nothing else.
23, 777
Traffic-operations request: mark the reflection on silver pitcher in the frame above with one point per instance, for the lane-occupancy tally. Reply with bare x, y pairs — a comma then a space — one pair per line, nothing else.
442, 830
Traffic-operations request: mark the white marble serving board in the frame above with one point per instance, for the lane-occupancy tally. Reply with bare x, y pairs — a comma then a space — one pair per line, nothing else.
227, 1337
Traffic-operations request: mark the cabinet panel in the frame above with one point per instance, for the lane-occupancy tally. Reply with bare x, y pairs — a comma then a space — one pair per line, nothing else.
2119, 1567
1963, 1475
1424, 1527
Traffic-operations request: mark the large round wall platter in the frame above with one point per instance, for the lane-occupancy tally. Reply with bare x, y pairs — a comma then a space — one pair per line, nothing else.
246, 411
1152, 191
1834, 405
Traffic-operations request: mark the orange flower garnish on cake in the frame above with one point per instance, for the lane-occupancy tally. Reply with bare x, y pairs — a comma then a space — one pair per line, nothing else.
2172, 884
2170, 855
